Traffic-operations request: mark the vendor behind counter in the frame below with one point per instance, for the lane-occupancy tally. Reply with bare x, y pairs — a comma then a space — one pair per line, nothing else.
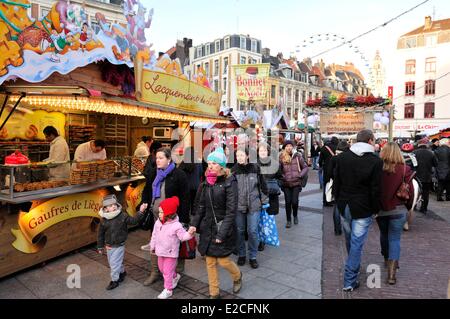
59, 152
90, 151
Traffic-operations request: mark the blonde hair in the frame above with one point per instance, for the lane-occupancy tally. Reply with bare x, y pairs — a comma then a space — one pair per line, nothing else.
285, 158
391, 156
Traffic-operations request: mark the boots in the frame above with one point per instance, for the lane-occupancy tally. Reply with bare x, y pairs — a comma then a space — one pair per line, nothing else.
392, 269
155, 274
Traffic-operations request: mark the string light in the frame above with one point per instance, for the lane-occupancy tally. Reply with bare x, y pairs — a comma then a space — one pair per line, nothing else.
102, 106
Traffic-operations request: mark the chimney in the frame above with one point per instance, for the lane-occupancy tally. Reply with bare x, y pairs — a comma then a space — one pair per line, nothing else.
428, 23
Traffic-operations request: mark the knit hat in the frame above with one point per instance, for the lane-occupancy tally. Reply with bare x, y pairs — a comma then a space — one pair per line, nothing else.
170, 206
286, 143
110, 200
219, 157
423, 141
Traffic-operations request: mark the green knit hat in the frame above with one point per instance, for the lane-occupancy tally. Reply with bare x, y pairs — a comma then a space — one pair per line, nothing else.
219, 157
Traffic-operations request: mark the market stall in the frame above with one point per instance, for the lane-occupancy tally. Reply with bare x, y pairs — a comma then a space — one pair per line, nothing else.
54, 81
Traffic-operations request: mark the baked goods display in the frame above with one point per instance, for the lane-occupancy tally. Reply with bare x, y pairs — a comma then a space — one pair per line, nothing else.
28, 187
138, 164
105, 169
90, 172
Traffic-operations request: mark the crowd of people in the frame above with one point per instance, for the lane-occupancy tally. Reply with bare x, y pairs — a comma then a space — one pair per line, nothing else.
221, 200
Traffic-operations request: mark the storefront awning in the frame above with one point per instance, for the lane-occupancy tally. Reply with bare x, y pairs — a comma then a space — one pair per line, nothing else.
79, 99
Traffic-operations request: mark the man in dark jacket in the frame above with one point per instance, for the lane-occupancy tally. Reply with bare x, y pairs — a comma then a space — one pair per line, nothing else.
443, 169
426, 161
326, 153
315, 152
357, 190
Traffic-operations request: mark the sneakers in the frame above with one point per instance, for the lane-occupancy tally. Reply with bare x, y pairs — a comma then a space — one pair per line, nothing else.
112, 285
241, 261
295, 220
146, 247
237, 285
253, 263
350, 288
165, 294
288, 224
175, 281
122, 276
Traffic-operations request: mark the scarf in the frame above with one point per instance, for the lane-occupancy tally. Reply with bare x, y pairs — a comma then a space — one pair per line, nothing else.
161, 175
211, 177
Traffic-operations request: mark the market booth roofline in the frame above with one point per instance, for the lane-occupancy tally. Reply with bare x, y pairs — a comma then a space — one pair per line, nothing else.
79, 99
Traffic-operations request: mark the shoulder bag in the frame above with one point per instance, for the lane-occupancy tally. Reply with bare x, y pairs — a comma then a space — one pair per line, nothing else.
304, 179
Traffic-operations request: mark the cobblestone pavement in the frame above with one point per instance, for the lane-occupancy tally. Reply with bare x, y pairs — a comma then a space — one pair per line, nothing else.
424, 263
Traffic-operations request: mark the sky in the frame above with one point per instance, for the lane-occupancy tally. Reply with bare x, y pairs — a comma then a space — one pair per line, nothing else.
283, 25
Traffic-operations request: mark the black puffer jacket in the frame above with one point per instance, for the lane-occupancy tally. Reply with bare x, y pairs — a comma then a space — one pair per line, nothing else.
114, 232
224, 200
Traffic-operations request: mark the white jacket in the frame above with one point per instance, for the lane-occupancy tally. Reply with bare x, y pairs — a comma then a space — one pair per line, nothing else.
142, 150
59, 152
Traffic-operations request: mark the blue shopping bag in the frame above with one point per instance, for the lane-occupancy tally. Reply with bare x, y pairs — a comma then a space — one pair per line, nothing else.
267, 229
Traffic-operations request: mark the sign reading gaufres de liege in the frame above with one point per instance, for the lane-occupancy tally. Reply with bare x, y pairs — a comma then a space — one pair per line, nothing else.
345, 122
252, 81
173, 91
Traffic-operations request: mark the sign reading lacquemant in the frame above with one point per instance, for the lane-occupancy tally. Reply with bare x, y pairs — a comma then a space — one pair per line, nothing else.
345, 122
172, 91
252, 81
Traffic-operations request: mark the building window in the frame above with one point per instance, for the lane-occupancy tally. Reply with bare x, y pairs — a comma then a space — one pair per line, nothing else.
430, 65
273, 92
429, 110
218, 46
243, 60
309, 95
430, 87
225, 65
410, 88
317, 96
216, 85
95, 27
216, 67
227, 43
430, 40
297, 96
243, 43
282, 93
199, 52
254, 46
224, 85
289, 110
409, 111
207, 69
410, 67
289, 94
411, 42
208, 49
303, 97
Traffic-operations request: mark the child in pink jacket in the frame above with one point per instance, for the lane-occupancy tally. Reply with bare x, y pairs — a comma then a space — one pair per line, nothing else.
165, 243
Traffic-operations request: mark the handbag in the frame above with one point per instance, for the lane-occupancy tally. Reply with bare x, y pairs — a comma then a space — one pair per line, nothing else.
304, 179
403, 191
148, 221
267, 229
188, 247
218, 224
329, 191
273, 187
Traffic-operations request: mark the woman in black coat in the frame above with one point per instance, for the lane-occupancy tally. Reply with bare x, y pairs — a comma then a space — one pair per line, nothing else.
164, 181
215, 221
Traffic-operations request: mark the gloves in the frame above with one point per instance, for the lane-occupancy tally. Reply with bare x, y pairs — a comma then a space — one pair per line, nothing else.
265, 206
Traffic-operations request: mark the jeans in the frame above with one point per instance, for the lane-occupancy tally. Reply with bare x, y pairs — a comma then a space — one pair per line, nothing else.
291, 197
320, 173
115, 260
356, 231
252, 230
315, 162
337, 220
391, 228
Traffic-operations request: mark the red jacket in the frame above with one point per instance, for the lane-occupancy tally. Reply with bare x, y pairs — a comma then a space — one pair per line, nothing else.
390, 184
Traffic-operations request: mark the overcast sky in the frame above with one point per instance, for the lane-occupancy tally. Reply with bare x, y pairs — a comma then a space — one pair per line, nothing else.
283, 25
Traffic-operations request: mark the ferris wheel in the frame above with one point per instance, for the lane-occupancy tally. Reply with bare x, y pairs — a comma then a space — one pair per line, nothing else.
336, 41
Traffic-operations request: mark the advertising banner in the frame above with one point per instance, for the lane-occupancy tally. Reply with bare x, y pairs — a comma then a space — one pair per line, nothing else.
252, 81
345, 122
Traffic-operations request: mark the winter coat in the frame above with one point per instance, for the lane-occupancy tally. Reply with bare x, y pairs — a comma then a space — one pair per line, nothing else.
268, 174
357, 182
389, 186
325, 159
176, 184
142, 150
426, 161
315, 151
443, 157
224, 200
113, 230
291, 172
194, 173
252, 188
166, 238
